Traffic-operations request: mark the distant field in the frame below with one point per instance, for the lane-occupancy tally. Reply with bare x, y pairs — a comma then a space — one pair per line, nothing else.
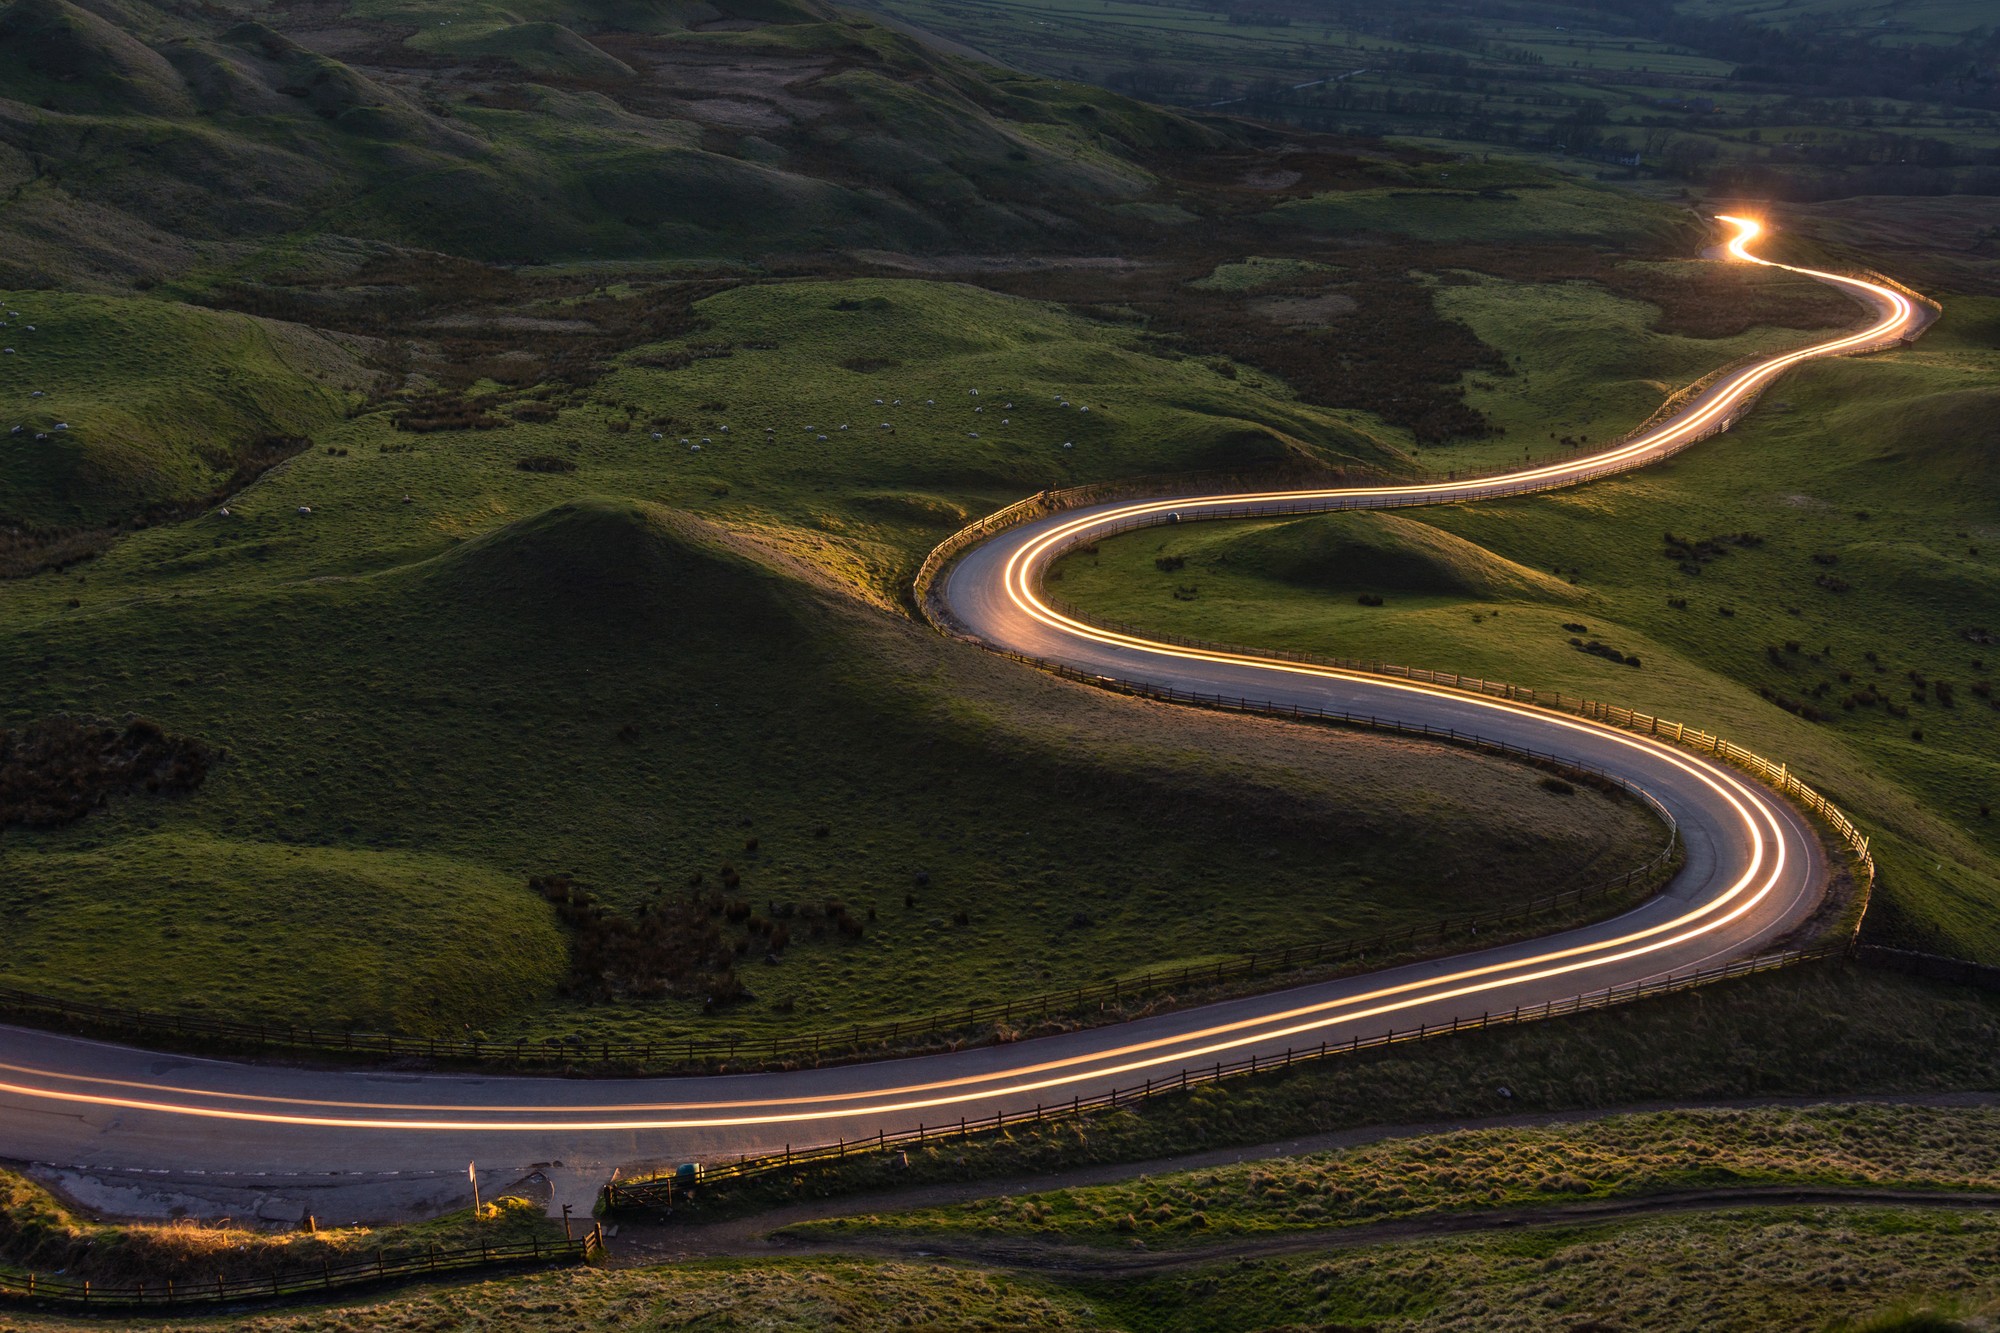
1860, 599
1741, 95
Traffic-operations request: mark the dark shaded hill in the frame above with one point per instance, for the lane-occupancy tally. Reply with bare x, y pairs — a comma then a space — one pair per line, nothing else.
135, 140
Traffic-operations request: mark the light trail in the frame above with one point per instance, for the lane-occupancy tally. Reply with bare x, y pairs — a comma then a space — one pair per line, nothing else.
1594, 956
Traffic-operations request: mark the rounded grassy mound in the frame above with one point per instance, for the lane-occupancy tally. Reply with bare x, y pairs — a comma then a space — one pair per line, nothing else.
1379, 553
598, 565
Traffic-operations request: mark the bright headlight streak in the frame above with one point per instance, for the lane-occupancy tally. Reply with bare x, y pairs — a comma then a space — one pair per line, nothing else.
1752, 806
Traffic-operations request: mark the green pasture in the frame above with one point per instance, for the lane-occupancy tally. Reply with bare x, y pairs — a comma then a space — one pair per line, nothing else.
454, 673
1861, 486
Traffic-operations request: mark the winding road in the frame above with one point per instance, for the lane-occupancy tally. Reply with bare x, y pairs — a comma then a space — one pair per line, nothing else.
143, 1133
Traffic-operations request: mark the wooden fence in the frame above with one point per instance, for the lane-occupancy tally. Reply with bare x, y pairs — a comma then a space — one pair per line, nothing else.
1933, 967
329, 1278
643, 1195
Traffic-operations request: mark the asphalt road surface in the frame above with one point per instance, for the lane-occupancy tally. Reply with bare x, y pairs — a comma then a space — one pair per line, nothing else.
139, 1133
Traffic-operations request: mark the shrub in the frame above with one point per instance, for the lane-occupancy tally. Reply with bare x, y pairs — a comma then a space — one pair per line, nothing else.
1368, 599
58, 770
545, 463
437, 412
670, 947
1557, 786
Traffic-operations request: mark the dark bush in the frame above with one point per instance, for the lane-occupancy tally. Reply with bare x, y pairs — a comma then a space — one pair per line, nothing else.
446, 411
666, 948
58, 770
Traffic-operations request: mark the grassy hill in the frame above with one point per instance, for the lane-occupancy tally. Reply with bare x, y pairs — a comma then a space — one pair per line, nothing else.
682, 720
114, 406
1815, 584
187, 138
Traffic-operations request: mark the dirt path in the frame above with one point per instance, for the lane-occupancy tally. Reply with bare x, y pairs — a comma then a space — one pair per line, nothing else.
640, 1243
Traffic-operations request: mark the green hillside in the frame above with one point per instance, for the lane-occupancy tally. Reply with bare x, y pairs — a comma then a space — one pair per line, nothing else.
683, 721
187, 135
1816, 584
114, 406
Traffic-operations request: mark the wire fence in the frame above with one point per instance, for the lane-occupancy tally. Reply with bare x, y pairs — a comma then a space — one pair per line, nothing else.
663, 1192
328, 1278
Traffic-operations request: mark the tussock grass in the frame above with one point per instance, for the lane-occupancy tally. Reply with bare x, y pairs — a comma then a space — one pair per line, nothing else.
1617, 1157
1828, 1031
1862, 1268
40, 1233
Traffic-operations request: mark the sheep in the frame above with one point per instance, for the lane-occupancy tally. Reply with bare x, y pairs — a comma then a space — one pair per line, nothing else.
1068, 445
887, 426
843, 427
15, 431
973, 433
1005, 421
408, 501
658, 436
723, 430
37, 393
1083, 409
304, 510
7, 351
694, 448
706, 440
878, 402
62, 425
222, 512
31, 328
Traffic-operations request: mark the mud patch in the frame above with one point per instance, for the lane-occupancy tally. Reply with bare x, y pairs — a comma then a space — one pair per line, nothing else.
1304, 311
